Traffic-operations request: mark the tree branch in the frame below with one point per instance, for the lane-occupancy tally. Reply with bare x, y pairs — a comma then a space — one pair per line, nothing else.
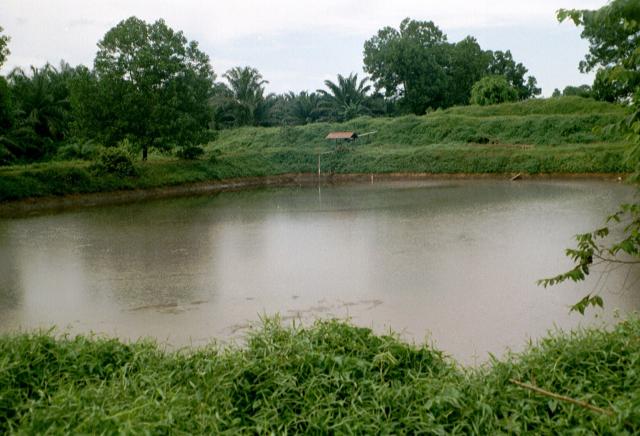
563, 398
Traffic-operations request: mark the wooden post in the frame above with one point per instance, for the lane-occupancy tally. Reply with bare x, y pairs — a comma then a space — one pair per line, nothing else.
318, 165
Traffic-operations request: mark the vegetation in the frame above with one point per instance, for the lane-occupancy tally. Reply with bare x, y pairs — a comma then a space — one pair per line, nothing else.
613, 33
493, 90
149, 85
580, 91
534, 136
4, 49
346, 99
331, 377
243, 102
417, 65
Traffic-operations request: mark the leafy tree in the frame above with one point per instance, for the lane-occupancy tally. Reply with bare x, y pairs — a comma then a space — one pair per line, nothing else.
417, 66
5, 100
579, 91
149, 85
613, 33
409, 63
556, 93
346, 98
605, 89
493, 90
468, 63
4, 47
502, 64
6, 106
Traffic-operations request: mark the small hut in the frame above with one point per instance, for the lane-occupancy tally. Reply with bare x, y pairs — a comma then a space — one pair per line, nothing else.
342, 136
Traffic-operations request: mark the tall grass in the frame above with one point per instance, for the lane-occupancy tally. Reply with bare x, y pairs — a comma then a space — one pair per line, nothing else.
328, 378
561, 135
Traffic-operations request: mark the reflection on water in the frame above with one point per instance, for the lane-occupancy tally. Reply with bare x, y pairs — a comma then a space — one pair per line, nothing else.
454, 262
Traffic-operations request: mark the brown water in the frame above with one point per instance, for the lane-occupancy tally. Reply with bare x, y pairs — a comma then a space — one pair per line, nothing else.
453, 262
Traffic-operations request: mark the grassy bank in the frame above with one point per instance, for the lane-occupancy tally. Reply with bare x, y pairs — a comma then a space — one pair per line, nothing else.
562, 135
331, 377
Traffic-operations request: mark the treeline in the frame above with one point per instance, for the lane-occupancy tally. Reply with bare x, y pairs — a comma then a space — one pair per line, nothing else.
151, 88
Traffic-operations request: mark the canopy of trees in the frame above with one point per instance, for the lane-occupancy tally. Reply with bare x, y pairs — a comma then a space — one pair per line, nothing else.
578, 91
151, 88
417, 64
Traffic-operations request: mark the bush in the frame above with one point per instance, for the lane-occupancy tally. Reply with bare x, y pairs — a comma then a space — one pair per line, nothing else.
190, 152
114, 160
492, 90
77, 150
214, 156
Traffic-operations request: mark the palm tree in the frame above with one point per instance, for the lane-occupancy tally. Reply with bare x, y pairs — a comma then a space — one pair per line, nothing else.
41, 99
347, 98
41, 111
247, 90
305, 108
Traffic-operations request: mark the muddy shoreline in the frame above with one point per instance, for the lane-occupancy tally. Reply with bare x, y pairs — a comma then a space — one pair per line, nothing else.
38, 205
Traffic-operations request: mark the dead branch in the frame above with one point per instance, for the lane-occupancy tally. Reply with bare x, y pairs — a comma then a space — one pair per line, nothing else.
562, 398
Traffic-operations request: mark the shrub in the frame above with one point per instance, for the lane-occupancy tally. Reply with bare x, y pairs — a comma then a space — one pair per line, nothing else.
492, 90
114, 160
190, 152
214, 156
78, 150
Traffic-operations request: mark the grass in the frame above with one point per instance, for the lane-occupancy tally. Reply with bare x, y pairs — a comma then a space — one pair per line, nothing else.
331, 377
559, 135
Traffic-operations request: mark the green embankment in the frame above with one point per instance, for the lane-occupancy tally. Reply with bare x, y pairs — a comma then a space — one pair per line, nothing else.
561, 135
328, 378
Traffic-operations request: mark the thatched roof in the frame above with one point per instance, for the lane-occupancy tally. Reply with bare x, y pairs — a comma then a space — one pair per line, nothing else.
342, 135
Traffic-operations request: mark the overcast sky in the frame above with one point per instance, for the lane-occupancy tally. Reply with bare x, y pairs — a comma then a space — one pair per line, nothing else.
297, 44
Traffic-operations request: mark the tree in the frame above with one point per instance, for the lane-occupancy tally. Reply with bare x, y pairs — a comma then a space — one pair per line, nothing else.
613, 32
41, 99
409, 63
305, 108
4, 47
614, 38
417, 66
247, 92
5, 100
579, 91
493, 90
39, 115
502, 64
346, 98
605, 89
468, 63
149, 85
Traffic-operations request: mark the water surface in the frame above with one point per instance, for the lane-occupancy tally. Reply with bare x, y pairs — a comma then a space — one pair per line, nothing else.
452, 262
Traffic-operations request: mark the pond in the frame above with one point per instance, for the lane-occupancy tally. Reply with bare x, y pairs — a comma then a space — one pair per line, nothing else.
452, 262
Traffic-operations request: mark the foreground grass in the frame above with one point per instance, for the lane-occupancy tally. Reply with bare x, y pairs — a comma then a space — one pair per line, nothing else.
331, 377
561, 135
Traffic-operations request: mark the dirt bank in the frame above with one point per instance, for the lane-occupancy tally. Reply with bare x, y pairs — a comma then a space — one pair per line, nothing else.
47, 204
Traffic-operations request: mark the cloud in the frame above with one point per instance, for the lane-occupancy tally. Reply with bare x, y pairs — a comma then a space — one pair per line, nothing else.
69, 29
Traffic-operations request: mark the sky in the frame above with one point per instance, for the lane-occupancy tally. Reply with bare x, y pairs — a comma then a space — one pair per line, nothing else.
297, 44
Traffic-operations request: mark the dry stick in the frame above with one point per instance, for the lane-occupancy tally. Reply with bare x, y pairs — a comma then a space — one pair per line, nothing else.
562, 398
